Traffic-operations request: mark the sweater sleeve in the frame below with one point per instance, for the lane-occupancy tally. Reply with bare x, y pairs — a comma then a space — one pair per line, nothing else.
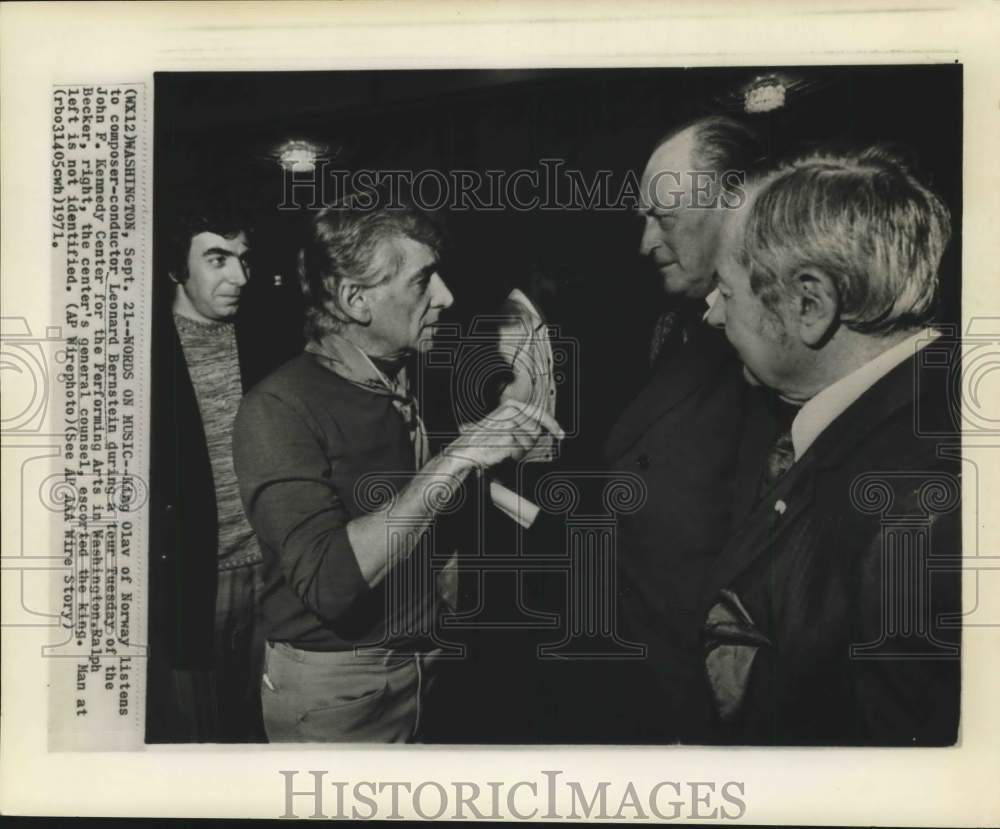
287, 492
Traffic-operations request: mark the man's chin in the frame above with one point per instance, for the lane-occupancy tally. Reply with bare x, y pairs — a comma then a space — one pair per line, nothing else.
677, 283
425, 342
669, 277
751, 378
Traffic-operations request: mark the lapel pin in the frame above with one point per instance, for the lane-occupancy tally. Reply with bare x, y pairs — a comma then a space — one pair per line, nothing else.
780, 507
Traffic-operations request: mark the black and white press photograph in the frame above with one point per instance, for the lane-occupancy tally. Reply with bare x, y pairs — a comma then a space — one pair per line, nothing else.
547, 407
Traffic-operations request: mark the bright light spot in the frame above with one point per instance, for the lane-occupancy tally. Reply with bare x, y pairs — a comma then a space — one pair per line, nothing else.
299, 156
764, 95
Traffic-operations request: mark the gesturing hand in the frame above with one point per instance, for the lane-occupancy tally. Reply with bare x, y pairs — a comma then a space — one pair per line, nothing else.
509, 431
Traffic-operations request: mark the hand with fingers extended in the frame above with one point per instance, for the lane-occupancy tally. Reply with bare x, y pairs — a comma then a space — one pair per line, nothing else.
508, 432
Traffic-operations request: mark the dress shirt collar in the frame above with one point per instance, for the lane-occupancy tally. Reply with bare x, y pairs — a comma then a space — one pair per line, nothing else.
820, 411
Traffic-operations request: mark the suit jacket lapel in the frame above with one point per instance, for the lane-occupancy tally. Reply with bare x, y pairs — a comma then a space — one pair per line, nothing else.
769, 520
678, 376
759, 434
777, 512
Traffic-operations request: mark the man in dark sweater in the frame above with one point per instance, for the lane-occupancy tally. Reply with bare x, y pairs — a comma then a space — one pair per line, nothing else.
205, 561
337, 480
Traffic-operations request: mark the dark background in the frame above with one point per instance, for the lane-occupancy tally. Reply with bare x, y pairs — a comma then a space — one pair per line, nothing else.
214, 133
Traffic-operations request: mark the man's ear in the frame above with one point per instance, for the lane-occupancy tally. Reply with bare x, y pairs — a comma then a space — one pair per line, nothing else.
817, 305
353, 301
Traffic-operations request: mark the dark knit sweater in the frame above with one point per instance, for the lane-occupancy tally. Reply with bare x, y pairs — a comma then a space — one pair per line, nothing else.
306, 442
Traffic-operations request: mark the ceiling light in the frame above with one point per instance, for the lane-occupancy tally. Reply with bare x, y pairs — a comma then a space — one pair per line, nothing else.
764, 94
298, 155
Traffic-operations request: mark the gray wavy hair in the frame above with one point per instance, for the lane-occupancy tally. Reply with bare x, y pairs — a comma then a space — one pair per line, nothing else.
341, 243
865, 220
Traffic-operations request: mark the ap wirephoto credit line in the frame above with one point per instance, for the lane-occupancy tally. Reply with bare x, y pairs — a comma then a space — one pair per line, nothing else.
99, 136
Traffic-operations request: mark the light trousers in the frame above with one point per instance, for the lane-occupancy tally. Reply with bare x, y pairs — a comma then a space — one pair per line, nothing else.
372, 695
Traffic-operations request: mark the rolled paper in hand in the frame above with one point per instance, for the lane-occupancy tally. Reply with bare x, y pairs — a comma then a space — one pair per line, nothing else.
447, 583
516, 507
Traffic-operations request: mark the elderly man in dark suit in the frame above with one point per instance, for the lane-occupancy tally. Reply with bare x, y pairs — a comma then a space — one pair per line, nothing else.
684, 430
835, 616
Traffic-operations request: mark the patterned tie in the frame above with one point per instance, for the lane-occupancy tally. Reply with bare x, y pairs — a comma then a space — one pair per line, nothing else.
782, 453
666, 324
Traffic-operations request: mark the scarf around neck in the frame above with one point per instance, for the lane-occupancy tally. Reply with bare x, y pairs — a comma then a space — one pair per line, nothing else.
338, 354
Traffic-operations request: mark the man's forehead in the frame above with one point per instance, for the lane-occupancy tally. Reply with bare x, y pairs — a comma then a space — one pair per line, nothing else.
669, 170
730, 240
405, 252
677, 154
208, 240
731, 236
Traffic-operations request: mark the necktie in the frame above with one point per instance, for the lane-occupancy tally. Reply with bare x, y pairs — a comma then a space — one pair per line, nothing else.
668, 323
781, 455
